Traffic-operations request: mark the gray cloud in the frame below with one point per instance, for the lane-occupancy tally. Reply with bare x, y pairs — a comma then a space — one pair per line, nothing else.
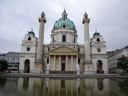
17, 17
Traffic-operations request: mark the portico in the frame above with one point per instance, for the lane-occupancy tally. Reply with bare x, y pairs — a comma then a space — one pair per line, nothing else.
63, 59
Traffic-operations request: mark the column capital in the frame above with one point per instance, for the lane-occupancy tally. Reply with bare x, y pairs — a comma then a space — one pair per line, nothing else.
86, 20
42, 19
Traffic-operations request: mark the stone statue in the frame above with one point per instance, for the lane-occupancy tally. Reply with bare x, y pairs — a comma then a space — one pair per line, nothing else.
47, 67
77, 66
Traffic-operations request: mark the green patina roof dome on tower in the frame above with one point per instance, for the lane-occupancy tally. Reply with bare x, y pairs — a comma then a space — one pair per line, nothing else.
31, 32
68, 24
96, 33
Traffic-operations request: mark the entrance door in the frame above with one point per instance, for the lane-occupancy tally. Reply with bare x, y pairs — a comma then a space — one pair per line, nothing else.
63, 67
99, 66
27, 66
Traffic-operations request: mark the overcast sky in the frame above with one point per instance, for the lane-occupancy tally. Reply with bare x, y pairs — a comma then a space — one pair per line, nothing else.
17, 17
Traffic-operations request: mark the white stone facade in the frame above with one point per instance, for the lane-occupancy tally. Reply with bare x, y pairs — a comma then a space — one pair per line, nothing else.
28, 52
98, 52
63, 53
112, 60
13, 59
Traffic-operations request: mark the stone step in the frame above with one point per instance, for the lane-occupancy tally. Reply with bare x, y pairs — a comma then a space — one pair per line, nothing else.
62, 72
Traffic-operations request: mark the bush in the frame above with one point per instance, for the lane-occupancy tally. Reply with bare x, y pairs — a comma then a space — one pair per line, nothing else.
3, 65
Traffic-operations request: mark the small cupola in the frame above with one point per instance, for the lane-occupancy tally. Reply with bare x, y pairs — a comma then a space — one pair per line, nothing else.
96, 33
31, 32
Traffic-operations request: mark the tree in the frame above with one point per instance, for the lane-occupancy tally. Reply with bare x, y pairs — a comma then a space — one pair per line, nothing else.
123, 63
3, 65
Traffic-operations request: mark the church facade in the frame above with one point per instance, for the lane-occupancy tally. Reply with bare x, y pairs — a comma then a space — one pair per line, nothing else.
63, 53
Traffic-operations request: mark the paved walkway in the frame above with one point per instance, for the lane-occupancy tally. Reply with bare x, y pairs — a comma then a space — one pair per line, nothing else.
62, 75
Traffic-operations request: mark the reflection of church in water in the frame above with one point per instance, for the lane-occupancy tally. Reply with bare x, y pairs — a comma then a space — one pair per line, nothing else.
63, 53
62, 87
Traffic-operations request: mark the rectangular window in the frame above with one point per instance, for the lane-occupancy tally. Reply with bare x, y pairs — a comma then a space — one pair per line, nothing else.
28, 48
98, 50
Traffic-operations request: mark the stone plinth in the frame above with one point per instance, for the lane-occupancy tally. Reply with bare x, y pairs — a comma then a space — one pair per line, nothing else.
78, 72
38, 67
88, 67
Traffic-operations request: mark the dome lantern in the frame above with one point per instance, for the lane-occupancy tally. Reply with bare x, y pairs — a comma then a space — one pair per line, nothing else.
64, 14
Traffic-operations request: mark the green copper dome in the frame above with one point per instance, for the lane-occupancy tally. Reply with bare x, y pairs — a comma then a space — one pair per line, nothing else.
64, 22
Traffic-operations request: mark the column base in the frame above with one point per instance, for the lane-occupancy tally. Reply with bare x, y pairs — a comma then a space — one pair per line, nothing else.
88, 72
88, 62
47, 71
38, 67
21, 71
78, 72
105, 72
36, 71
31, 71
39, 61
88, 67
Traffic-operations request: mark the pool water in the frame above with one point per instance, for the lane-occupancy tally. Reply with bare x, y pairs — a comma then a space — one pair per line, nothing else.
63, 87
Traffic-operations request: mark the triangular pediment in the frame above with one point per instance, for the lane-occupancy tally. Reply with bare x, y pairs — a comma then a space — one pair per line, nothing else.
63, 50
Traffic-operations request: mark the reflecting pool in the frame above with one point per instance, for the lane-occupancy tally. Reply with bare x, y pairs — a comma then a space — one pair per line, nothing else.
63, 87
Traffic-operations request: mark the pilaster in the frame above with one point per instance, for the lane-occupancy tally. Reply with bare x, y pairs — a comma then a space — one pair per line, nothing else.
71, 62
59, 62
54, 68
49, 62
76, 59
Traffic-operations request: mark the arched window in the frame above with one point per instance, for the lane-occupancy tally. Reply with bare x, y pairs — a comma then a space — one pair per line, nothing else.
78, 49
63, 38
98, 40
29, 38
99, 62
48, 49
64, 26
47, 60
74, 40
78, 60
